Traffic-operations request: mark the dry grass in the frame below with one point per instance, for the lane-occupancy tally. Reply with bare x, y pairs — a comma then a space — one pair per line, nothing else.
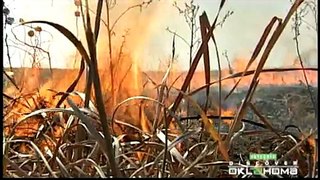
71, 134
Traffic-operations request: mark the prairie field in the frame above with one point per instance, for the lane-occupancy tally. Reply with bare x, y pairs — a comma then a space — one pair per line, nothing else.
108, 117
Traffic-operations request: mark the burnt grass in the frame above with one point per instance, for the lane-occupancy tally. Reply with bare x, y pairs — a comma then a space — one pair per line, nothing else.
287, 105
289, 109
281, 105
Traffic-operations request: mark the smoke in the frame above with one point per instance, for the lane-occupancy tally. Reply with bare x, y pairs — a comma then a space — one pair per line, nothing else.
131, 32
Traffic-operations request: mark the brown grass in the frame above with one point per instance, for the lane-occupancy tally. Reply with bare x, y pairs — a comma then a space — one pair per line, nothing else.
71, 134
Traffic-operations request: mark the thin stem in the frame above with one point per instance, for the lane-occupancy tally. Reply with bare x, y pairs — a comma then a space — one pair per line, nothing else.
296, 34
113, 98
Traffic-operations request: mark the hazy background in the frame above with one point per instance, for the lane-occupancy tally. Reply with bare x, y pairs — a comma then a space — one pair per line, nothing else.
148, 41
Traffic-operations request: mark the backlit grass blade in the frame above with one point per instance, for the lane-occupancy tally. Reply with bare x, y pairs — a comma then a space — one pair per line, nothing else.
206, 23
210, 128
194, 64
256, 51
206, 57
275, 36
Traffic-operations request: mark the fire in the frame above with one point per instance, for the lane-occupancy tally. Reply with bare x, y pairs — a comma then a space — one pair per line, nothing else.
272, 78
136, 82
228, 112
129, 82
128, 78
238, 65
